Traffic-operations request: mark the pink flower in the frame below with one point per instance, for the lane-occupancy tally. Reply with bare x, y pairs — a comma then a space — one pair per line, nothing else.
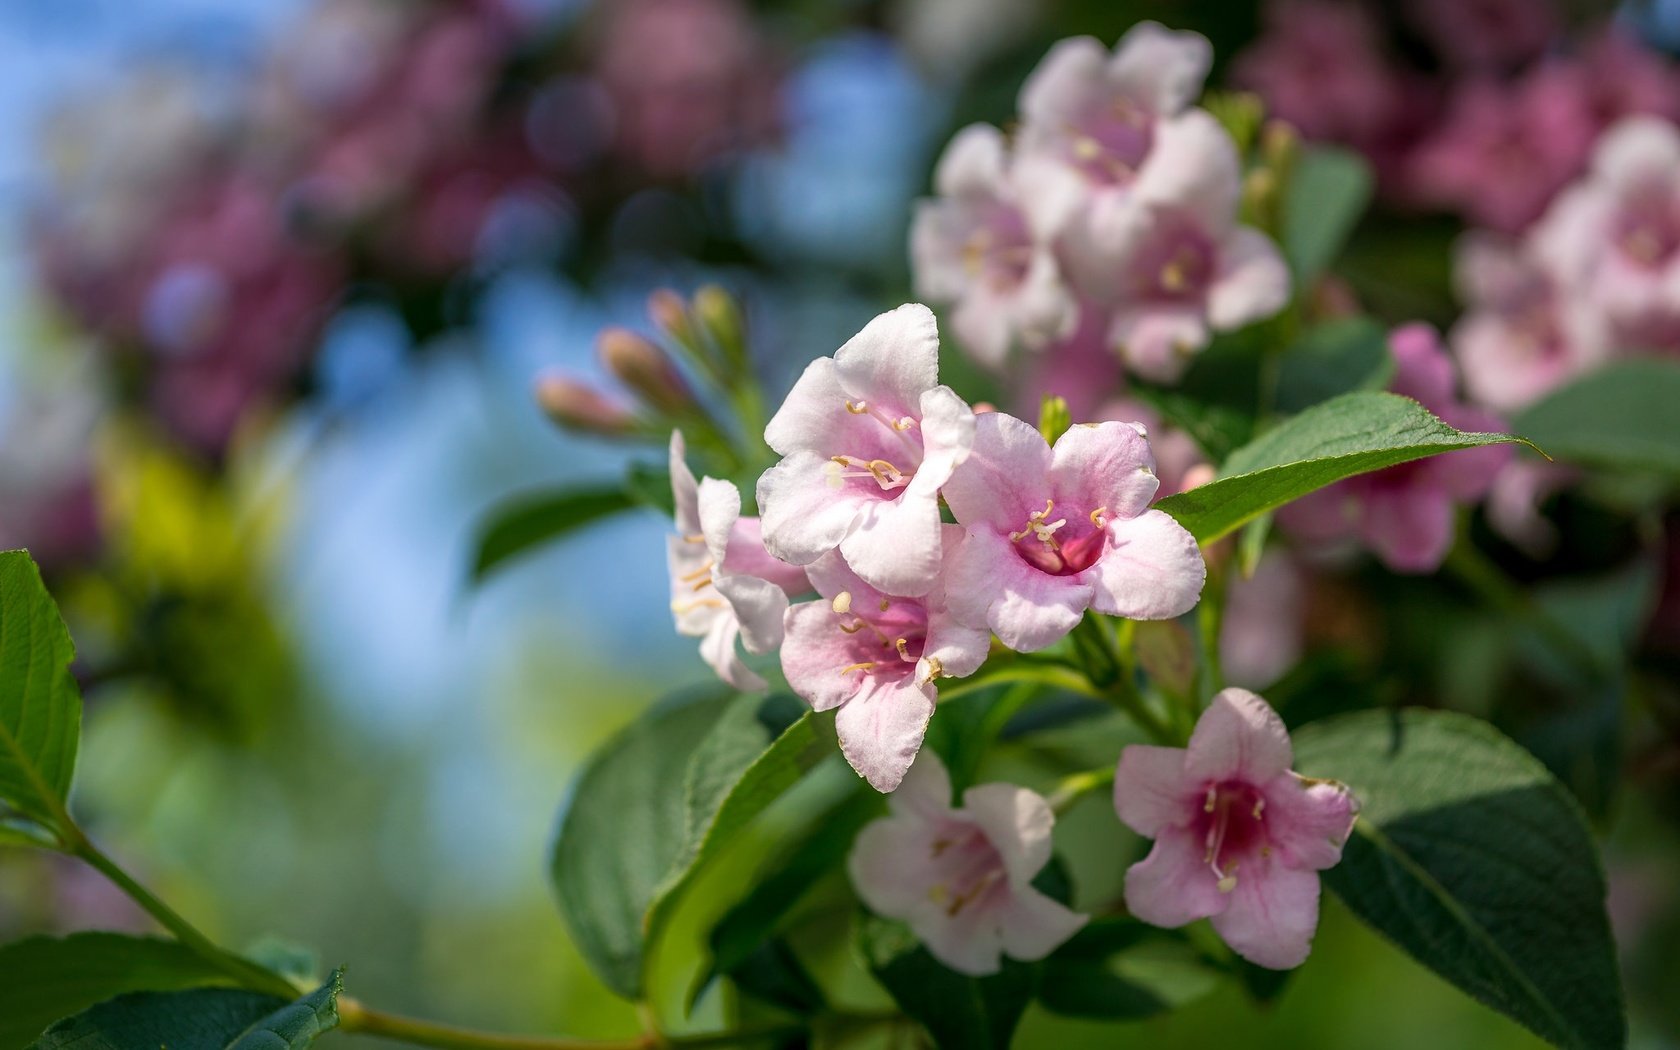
1239, 837
1319, 66
1176, 453
1090, 121
867, 438
974, 246
875, 658
1614, 238
1524, 333
962, 878
724, 585
1051, 533
1405, 513
1504, 149
1183, 266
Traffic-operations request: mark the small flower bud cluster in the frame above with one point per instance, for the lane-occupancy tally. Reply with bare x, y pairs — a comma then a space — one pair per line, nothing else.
1114, 207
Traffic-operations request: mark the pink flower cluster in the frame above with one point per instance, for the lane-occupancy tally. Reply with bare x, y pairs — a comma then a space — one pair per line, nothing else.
1598, 275
1491, 128
1113, 209
870, 442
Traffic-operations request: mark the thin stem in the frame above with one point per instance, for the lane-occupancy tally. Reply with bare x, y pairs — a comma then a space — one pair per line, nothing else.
247, 973
1075, 786
353, 1016
1024, 671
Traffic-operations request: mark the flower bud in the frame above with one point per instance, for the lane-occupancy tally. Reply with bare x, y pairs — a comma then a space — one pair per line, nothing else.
645, 369
1279, 144
720, 316
1167, 653
670, 315
581, 408
1054, 419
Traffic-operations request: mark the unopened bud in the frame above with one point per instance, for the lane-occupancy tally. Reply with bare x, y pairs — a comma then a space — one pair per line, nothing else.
1167, 653
1260, 198
580, 407
1279, 144
645, 369
720, 316
1054, 418
670, 315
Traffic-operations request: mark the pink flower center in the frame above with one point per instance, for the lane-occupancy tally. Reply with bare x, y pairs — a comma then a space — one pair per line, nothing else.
1064, 546
1232, 825
886, 639
970, 871
1650, 237
1110, 144
892, 439
1177, 264
998, 250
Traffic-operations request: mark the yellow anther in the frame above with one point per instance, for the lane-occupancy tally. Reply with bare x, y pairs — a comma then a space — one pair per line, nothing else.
858, 409
1259, 804
1227, 884
934, 670
843, 602
1097, 516
885, 605
866, 667
903, 647
854, 627
1212, 798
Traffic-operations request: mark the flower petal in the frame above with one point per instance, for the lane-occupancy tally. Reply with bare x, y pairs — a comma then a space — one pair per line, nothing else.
1034, 925
1157, 340
1066, 81
925, 791
1194, 166
1239, 736
684, 489
1152, 791
882, 726
807, 414
969, 942
947, 426
1160, 67
1252, 283
1410, 528
814, 651
988, 583
719, 503
805, 514
894, 544
1107, 465
1174, 885
891, 865
1309, 820
759, 607
973, 163
1006, 474
1018, 823
1152, 569
717, 649
1272, 915
893, 360
746, 556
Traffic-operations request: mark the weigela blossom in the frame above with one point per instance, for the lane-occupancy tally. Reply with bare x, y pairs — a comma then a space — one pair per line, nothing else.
1615, 236
962, 878
1524, 332
867, 437
875, 657
724, 586
974, 245
1183, 265
1239, 837
1050, 533
1089, 124
1405, 513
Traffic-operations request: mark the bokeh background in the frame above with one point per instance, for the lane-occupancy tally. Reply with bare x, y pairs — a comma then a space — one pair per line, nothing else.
276, 281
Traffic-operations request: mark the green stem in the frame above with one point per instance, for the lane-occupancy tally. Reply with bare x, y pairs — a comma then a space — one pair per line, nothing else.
247, 973
355, 1017
1039, 672
1075, 786
1097, 642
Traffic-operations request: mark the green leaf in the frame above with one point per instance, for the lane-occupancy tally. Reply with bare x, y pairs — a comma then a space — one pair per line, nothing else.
959, 1012
43, 979
660, 800
40, 706
1122, 969
529, 521
1621, 416
202, 1019
1348, 435
1474, 859
759, 749
1329, 189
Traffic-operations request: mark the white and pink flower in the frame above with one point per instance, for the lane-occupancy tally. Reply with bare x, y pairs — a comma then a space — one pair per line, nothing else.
724, 585
961, 878
1239, 837
867, 437
875, 658
975, 245
1051, 533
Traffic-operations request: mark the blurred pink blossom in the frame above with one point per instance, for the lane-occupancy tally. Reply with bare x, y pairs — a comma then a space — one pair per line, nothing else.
1485, 34
1263, 630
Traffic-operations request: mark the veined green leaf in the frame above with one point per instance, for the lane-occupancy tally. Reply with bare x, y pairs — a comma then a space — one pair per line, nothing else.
201, 1019
1328, 191
1474, 859
1348, 435
40, 706
1622, 416
529, 521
